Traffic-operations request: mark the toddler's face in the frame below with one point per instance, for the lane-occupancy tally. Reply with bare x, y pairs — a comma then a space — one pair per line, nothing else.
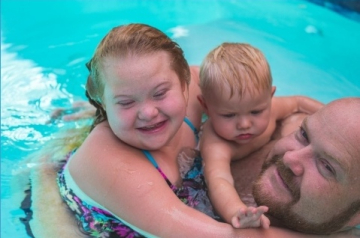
239, 119
143, 99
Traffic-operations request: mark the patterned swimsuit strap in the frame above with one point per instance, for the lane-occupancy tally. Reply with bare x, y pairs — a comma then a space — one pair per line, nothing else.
150, 158
192, 127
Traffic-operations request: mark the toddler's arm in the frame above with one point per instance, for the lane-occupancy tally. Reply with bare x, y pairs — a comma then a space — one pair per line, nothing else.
285, 106
307, 105
223, 195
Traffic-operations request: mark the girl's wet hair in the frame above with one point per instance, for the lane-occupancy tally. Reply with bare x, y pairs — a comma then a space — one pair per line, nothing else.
126, 40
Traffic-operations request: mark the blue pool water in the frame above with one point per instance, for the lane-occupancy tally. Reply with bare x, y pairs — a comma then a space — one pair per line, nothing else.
312, 51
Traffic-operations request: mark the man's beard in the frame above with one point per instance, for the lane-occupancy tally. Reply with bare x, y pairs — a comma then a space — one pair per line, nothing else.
283, 211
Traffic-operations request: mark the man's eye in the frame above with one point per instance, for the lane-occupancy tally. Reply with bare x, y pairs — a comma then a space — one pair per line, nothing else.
304, 134
327, 167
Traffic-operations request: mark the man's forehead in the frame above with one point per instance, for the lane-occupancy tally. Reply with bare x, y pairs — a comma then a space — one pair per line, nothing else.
329, 141
339, 130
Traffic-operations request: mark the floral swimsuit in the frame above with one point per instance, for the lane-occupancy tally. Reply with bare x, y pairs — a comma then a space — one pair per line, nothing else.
97, 222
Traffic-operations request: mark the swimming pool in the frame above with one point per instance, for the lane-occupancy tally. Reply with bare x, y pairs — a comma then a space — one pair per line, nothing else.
44, 45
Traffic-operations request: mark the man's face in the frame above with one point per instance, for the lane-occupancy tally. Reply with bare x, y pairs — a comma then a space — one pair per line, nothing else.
312, 181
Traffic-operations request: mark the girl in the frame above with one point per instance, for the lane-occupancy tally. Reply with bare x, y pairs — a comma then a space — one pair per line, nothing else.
124, 179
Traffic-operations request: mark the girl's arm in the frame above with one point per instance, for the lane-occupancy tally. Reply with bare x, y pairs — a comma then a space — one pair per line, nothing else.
121, 179
78, 111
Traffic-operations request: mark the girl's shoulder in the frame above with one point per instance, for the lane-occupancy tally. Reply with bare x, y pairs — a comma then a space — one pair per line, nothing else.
102, 135
103, 145
103, 159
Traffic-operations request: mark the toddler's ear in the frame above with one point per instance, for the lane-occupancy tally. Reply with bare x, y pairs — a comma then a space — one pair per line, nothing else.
202, 102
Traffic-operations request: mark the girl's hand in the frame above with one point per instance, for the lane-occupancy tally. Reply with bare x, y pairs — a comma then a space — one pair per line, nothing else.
79, 110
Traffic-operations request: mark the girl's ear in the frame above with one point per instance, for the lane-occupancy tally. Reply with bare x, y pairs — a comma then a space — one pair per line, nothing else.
186, 93
273, 89
202, 102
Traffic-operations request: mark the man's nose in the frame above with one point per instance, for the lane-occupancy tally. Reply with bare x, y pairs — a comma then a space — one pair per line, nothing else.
296, 159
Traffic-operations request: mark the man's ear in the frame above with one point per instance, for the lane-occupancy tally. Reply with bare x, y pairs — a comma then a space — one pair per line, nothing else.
201, 99
273, 89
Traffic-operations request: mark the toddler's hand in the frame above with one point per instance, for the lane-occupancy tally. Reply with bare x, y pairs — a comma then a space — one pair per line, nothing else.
251, 217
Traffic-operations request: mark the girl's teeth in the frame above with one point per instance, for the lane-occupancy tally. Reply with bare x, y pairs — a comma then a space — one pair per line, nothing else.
151, 127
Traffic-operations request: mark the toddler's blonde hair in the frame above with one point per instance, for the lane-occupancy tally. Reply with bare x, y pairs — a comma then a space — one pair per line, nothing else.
237, 66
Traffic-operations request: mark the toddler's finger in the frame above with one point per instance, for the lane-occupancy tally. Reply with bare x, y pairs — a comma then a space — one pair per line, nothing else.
265, 222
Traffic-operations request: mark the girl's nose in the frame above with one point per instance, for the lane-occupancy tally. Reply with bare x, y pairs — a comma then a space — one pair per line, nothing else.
148, 112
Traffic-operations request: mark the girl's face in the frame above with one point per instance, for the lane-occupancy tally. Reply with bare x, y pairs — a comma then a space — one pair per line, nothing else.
144, 99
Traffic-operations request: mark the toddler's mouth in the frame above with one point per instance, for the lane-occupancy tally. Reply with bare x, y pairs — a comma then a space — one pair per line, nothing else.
244, 136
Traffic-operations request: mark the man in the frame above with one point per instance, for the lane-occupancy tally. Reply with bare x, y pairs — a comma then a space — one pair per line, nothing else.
311, 179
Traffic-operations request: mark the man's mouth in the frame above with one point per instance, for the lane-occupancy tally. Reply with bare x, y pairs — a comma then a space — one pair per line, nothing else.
288, 179
282, 181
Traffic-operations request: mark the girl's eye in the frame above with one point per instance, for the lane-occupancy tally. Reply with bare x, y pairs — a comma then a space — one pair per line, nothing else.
160, 94
125, 103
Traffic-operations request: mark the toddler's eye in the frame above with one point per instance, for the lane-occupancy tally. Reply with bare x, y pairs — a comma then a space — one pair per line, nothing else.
256, 112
